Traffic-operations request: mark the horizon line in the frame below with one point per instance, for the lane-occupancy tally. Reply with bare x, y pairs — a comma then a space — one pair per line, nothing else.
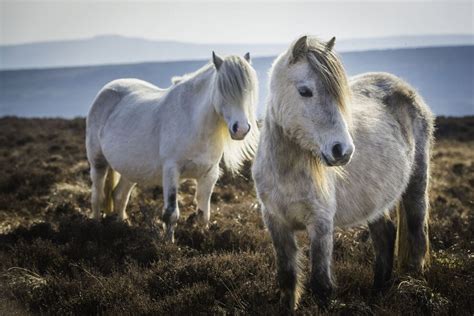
110, 35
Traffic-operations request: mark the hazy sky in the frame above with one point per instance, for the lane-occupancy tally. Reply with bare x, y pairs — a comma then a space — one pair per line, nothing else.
232, 22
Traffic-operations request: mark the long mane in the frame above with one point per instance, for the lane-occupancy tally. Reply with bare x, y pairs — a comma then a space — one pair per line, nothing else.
237, 82
327, 64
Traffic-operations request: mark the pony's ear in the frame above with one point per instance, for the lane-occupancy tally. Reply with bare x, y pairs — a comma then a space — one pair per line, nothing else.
330, 44
300, 47
216, 60
247, 56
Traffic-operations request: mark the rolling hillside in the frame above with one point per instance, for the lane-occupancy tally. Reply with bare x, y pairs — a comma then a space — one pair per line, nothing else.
443, 75
114, 49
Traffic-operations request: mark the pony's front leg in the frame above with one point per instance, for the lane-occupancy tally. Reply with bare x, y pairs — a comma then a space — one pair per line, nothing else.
288, 269
205, 186
320, 231
170, 196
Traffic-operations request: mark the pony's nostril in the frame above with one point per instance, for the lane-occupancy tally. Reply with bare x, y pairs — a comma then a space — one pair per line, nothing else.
235, 127
337, 151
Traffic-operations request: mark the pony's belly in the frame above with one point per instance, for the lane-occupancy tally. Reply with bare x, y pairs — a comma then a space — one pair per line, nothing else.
142, 174
347, 217
361, 201
375, 178
135, 166
149, 172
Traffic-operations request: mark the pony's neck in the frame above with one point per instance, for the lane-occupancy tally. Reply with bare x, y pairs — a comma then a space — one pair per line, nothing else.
287, 156
200, 77
280, 144
200, 85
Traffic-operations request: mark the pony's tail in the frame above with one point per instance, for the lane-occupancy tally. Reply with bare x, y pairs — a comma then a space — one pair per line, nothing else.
406, 251
110, 183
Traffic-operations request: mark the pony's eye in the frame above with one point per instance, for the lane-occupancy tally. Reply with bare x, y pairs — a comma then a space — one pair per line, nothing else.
305, 92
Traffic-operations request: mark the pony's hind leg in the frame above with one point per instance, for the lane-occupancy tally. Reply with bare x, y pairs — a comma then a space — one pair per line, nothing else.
412, 234
170, 195
121, 196
288, 270
383, 234
98, 175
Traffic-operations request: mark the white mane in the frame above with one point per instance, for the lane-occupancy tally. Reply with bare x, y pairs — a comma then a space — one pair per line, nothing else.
237, 82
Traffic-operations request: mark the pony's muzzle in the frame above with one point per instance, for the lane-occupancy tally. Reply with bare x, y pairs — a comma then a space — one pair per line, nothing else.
239, 131
339, 155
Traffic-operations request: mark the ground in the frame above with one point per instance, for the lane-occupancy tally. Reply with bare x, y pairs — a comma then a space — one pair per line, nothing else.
55, 260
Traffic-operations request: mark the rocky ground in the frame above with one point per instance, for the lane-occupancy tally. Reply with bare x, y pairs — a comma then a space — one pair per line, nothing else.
54, 260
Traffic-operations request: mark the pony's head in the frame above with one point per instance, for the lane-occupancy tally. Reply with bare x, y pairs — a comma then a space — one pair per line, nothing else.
309, 96
234, 99
235, 80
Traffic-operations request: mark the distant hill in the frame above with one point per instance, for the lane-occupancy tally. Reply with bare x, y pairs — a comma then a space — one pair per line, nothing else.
443, 75
121, 50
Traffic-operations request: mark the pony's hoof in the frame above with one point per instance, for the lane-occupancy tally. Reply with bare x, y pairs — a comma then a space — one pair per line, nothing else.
125, 220
322, 295
96, 217
192, 219
169, 233
380, 286
197, 218
287, 303
169, 238
414, 269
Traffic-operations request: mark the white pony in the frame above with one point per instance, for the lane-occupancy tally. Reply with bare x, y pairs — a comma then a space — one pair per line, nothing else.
154, 136
339, 152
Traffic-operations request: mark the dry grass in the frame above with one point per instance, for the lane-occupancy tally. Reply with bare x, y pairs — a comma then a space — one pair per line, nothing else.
54, 260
